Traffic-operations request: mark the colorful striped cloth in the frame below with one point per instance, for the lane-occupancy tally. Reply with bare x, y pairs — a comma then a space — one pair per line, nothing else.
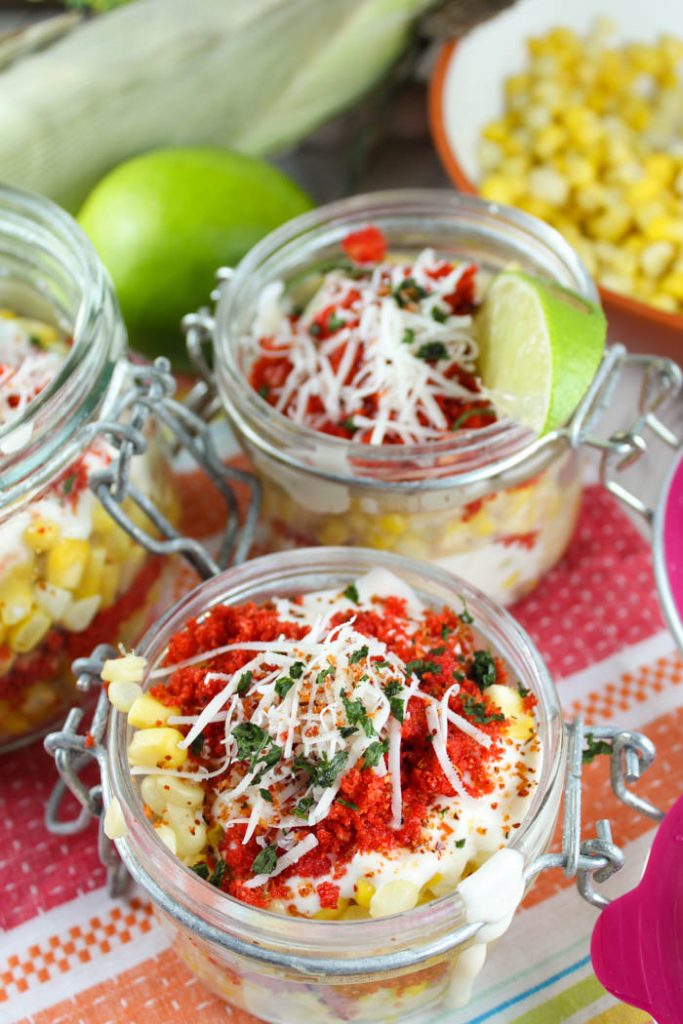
72, 955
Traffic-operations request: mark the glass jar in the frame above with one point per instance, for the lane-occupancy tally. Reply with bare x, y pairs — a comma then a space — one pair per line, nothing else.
492, 505
285, 969
69, 575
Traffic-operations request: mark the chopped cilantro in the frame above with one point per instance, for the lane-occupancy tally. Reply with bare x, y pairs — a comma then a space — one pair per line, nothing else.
264, 391
347, 803
432, 351
348, 424
323, 674
371, 757
465, 615
351, 593
398, 709
303, 807
356, 714
420, 667
458, 676
439, 315
523, 692
197, 744
446, 631
315, 330
201, 869
347, 731
468, 414
267, 795
476, 710
483, 669
408, 336
334, 323
392, 688
265, 861
216, 878
296, 670
244, 683
594, 748
459, 843
250, 740
358, 655
409, 291
323, 772
68, 485
283, 685
436, 651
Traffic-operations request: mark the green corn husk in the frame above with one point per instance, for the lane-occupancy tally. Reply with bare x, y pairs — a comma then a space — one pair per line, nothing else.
253, 75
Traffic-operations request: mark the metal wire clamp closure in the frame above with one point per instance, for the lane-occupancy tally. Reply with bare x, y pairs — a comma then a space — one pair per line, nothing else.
661, 383
150, 399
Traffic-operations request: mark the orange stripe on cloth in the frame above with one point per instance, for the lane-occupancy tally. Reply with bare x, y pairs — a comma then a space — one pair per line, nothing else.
58, 954
630, 689
160, 990
661, 784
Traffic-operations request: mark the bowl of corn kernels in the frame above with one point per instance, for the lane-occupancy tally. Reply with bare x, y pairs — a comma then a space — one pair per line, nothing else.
574, 113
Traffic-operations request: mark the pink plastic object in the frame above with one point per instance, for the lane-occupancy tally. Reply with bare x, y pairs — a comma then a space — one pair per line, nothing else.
637, 944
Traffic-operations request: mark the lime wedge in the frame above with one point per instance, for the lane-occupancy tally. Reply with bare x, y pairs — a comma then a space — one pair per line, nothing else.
540, 346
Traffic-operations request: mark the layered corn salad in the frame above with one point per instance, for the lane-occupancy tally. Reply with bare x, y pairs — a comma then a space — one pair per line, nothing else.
69, 576
338, 755
381, 351
590, 141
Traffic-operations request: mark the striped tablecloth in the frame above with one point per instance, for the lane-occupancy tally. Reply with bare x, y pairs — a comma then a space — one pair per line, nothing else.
71, 955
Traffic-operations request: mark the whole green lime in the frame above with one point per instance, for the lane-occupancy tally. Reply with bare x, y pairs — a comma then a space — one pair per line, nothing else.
164, 222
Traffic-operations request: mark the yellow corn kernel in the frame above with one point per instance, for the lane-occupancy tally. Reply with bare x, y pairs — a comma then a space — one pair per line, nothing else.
672, 285
583, 126
130, 668
157, 747
365, 890
189, 828
167, 837
78, 615
16, 599
214, 835
548, 185
642, 191
517, 84
153, 794
579, 170
521, 724
496, 131
66, 563
182, 792
500, 188
332, 913
122, 695
664, 229
355, 913
52, 600
109, 585
656, 258
114, 822
41, 534
28, 633
91, 581
664, 302
118, 543
548, 141
394, 898
146, 712
612, 224
39, 699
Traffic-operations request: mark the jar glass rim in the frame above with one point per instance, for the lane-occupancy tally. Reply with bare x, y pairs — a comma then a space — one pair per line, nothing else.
287, 441
198, 904
47, 429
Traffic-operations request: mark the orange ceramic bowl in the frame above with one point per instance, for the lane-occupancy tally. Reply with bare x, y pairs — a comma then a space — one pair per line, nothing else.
466, 91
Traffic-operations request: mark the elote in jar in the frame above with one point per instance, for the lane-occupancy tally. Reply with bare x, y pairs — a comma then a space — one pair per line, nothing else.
335, 756
70, 577
347, 361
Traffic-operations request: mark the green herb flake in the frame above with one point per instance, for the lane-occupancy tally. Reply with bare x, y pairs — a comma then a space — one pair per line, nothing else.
476, 710
347, 803
297, 670
218, 872
356, 714
523, 692
459, 843
250, 740
68, 485
201, 869
483, 669
437, 651
432, 351
594, 748
446, 631
303, 807
264, 391
266, 795
283, 685
420, 667
351, 593
264, 862
376, 750
348, 424
197, 744
408, 336
458, 676
323, 674
335, 323
409, 292
315, 330
358, 655
323, 772
244, 683
440, 315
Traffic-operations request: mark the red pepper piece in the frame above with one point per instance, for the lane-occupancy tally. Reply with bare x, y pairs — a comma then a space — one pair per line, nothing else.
365, 246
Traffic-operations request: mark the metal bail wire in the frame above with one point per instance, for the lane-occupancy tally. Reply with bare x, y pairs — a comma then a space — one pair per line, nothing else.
596, 859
